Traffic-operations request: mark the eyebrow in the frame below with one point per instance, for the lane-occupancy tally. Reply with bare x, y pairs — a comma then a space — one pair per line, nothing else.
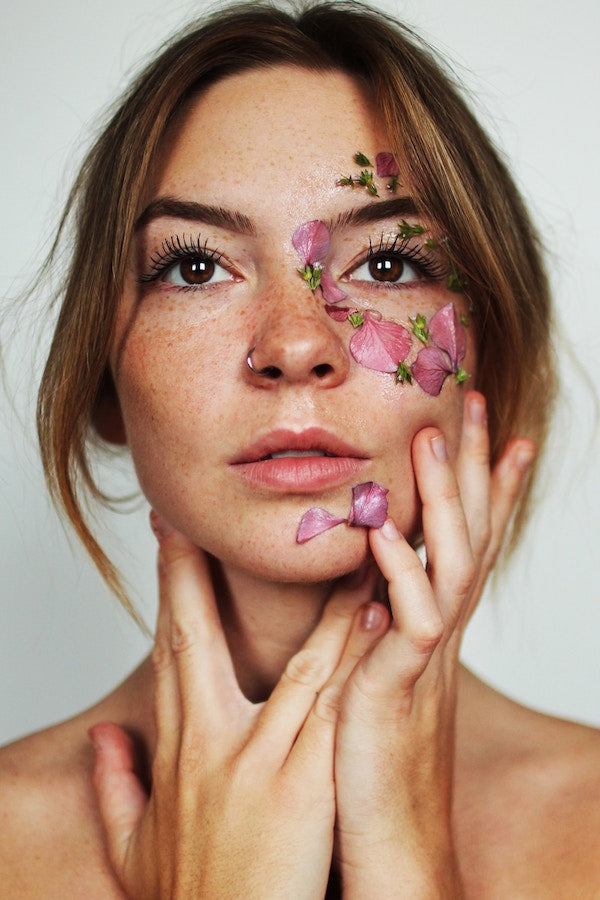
375, 212
171, 207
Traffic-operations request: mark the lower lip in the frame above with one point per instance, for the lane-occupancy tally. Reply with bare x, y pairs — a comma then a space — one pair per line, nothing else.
301, 474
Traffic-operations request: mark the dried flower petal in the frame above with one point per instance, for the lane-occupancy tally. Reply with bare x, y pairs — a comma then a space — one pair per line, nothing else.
431, 368
329, 288
340, 313
448, 333
369, 505
315, 521
311, 242
386, 166
380, 344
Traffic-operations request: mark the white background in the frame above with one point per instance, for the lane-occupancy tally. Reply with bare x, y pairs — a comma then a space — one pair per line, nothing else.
533, 71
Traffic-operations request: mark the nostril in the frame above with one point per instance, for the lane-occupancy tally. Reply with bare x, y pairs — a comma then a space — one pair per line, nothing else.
322, 370
271, 372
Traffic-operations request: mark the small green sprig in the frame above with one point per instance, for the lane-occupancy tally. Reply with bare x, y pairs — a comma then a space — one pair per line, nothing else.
356, 319
419, 327
465, 319
392, 184
454, 282
365, 179
312, 276
406, 230
361, 160
403, 374
461, 376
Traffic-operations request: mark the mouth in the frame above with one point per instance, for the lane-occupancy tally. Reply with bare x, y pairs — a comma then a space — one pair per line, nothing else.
299, 462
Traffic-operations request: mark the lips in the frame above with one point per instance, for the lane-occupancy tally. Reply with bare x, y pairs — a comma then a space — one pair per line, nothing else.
299, 462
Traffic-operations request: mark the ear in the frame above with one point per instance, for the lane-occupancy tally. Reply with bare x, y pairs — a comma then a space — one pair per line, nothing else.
107, 418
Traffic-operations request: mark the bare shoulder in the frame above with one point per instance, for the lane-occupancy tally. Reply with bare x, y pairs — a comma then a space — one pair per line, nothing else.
528, 800
52, 844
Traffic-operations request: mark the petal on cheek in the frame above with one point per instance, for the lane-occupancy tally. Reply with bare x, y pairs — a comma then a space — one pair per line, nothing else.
380, 345
315, 521
369, 505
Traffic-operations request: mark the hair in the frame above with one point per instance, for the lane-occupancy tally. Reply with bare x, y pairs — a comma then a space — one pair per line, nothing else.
459, 180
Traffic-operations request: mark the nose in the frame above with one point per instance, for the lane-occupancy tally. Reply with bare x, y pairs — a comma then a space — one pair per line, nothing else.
298, 343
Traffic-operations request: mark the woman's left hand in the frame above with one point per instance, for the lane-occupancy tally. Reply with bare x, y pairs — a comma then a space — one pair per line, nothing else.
395, 739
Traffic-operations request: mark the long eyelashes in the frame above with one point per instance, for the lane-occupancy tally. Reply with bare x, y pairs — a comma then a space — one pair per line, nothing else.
174, 250
405, 250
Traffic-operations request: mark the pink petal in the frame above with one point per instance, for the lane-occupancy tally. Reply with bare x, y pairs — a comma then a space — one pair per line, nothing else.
369, 505
339, 313
315, 521
311, 242
386, 166
380, 345
329, 288
449, 334
431, 368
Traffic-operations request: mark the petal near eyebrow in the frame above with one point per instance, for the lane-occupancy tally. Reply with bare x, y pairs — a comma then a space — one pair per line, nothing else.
311, 242
386, 166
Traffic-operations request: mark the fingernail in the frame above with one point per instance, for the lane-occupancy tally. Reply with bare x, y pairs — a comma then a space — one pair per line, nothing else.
389, 530
371, 616
476, 409
159, 526
438, 445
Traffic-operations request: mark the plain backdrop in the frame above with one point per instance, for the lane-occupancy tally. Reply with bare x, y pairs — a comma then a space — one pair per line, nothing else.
532, 70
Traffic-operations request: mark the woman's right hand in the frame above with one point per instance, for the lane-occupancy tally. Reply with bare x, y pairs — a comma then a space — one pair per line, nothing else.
242, 801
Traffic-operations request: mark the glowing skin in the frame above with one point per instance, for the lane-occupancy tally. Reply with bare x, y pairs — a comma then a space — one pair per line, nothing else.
207, 434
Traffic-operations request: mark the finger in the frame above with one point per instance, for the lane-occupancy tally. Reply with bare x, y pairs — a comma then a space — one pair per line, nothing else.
195, 649
508, 479
120, 795
315, 742
284, 714
473, 472
450, 563
403, 653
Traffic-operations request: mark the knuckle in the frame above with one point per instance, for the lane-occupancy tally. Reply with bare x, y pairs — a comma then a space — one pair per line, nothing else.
428, 635
160, 656
182, 637
305, 667
464, 574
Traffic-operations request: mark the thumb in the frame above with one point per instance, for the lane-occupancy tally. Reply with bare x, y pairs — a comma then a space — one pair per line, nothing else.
119, 792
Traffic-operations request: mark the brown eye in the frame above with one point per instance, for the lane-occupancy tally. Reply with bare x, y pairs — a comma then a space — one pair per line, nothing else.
386, 268
196, 270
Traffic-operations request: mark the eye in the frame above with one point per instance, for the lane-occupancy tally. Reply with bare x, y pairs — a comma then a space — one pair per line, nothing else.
196, 271
390, 268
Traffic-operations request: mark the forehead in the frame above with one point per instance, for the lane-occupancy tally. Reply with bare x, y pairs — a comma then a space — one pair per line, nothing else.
278, 129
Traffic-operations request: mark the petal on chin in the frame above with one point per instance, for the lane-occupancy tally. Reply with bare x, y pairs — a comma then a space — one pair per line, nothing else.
315, 521
369, 505
311, 242
431, 368
380, 345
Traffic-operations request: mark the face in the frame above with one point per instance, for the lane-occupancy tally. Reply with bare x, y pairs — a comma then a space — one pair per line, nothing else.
233, 457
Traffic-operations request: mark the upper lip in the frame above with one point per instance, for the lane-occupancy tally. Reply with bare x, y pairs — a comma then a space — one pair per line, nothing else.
308, 439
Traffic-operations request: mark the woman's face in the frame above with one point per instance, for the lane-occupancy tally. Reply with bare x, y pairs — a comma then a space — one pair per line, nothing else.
214, 273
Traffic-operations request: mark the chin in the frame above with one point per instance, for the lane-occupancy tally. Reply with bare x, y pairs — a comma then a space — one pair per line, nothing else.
324, 558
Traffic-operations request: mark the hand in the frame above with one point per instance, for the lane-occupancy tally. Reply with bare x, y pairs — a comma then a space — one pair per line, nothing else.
395, 738
242, 801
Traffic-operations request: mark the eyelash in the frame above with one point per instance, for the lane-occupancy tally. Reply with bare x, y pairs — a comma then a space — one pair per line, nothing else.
405, 250
177, 249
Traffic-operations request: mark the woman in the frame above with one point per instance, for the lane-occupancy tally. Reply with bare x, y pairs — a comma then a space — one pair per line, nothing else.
307, 328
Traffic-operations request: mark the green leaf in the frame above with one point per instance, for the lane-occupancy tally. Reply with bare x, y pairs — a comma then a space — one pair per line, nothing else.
461, 375
454, 283
366, 180
346, 181
403, 374
356, 319
312, 276
465, 320
392, 184
419, 327
406, 230
431, 244
361, 160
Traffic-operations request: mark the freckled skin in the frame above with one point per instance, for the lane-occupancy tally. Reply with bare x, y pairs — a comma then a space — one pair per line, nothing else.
188, 400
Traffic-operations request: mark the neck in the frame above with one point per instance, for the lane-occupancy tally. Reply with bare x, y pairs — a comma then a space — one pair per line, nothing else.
265, 624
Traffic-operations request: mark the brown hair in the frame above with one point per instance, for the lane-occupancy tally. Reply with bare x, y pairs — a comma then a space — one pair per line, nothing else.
460, 182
